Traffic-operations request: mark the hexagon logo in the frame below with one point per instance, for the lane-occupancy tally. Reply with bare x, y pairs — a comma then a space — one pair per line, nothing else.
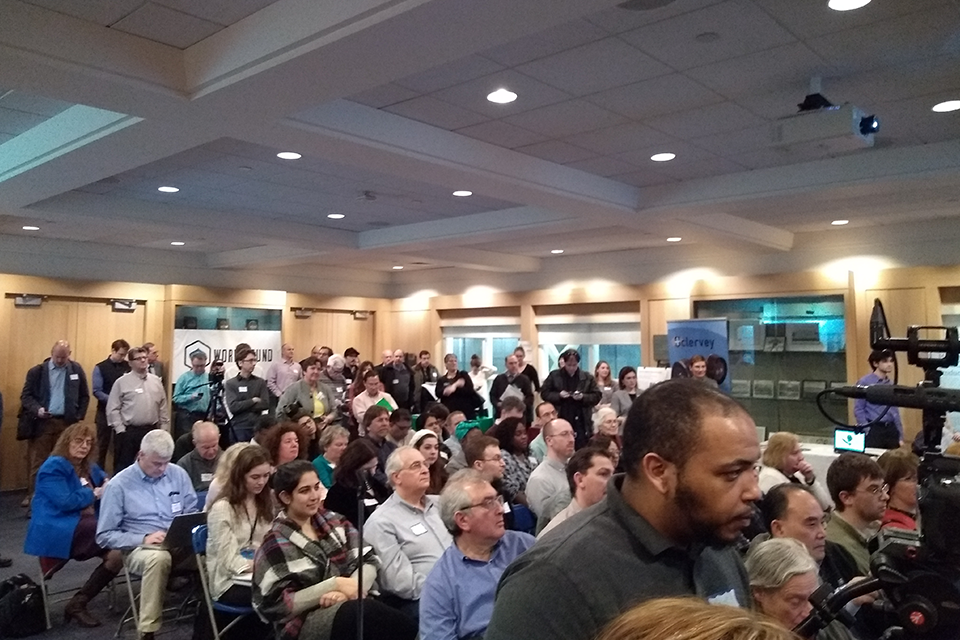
193, 347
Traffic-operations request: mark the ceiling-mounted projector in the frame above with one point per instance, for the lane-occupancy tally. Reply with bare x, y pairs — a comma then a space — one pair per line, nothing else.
831, 127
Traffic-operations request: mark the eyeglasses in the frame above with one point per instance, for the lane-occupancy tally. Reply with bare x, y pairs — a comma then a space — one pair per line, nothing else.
884, 488
562, 434
494, 459
79, 441
415, 466
489, 504
249, 360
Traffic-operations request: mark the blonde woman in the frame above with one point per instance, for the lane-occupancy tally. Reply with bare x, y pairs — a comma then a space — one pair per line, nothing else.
222, 475
783, 462
692, 619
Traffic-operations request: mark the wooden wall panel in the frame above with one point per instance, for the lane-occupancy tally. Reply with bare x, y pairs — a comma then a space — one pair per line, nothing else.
98, 326
337, 329
414, 330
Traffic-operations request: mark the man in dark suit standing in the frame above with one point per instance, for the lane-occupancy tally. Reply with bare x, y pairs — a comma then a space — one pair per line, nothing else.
154, 365
55, 395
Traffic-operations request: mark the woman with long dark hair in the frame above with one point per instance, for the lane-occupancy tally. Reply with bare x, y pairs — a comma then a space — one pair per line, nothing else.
359, 459
519, 463
427, 442
305, 573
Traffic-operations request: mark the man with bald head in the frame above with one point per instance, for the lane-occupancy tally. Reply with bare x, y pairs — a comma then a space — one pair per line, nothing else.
548, 483
54, 396
201, 463
398, 381
282, 373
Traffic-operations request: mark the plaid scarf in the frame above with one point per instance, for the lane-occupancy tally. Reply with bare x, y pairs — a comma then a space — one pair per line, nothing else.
289, 561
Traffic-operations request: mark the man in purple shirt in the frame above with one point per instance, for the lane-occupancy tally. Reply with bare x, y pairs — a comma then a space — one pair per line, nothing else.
888, 433
282, 374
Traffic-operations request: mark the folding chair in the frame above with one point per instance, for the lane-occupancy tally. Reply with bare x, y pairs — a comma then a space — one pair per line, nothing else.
200, 549
131, 614
49, 567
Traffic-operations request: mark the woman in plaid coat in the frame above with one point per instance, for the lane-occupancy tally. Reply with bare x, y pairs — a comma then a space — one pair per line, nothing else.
305, 572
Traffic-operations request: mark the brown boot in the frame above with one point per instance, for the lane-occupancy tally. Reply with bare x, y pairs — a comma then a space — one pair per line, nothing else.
76, 609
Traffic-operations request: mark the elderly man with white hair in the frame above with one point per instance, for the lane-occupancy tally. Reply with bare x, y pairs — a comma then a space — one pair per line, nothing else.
406, 531
457, 598
137, 508
201, 463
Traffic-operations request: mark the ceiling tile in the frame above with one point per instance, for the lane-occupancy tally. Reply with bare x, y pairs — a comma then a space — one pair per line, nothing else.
619, 138
38, 105
701, 168
715, 118
539, 45
225, 12
898, 82
436, 112
16, 122
555, 151
913, 118
734, 142
166, 26
501, 134
103, 12
675, 41
647, 178
531, 94
594, 67
384, 95
916, 36
810, 19
566, 118
617, 20
602, 166
449, 74
684, 151
783, 103
666, 94
764, 71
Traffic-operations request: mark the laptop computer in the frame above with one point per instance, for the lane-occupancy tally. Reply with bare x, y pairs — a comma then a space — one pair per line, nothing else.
180, 533
849, 440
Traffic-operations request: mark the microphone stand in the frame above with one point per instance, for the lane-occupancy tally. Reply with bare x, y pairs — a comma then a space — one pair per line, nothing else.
361, 513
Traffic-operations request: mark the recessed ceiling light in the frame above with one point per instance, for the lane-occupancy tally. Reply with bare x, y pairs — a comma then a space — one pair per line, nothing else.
289, 155
177, 243
840, 223
663, 157
463, 193
847, 5
946, 107
30, 227
397, 268
335, 216
168, 189
674, 239
502, 96
556, 251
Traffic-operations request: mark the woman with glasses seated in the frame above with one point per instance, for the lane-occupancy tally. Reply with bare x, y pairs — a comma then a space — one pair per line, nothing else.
64, 522
237, 523
305, 573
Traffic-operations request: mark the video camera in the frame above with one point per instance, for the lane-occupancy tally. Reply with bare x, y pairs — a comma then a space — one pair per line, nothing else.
918, 573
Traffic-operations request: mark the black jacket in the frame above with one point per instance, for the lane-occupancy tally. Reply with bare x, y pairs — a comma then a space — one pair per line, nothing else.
521, 382
399, 383
36, 394
579, 413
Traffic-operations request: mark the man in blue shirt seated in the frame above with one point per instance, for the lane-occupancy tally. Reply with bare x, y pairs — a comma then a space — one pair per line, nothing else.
457, 598
137, 508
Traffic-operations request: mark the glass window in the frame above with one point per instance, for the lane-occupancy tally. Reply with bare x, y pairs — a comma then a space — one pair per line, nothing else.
782, 352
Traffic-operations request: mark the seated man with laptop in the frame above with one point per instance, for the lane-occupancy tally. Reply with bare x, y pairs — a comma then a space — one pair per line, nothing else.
140, 514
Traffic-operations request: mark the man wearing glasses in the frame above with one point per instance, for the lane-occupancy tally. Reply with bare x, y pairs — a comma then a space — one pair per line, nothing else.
407, 532
548, 482
247, 396
856, 485
137, 405
457, 599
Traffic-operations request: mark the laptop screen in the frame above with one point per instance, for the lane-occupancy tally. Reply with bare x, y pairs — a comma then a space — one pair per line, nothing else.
849, 440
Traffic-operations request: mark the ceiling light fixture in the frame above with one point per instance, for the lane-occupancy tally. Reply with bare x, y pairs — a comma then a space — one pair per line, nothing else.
556, 251
674, 239
502, 96
177, 243
663, 157
30, 227
397, 268
840, 223
946, 107
335, 216
463, 193
847, 5
289, 155
168, 189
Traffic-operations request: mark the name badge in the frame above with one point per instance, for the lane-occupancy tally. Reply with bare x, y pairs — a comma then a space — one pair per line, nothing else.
396, 381
728, 598
506, 507
370, 502
206, 477
84, 483
242, 389
74, 376
138, 390
418, 529
176, 507
265, 412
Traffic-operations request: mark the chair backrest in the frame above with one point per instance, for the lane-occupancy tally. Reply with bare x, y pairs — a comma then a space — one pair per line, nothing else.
199, 538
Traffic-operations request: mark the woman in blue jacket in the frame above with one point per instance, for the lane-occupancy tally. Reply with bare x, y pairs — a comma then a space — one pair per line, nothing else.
64, 522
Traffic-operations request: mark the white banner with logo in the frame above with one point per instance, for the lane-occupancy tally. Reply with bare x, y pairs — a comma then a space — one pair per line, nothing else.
219, 345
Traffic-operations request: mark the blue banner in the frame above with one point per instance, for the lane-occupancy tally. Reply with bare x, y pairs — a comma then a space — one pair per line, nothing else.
699, 349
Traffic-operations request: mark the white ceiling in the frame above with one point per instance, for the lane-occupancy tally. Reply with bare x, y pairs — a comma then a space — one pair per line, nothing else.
386, 103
